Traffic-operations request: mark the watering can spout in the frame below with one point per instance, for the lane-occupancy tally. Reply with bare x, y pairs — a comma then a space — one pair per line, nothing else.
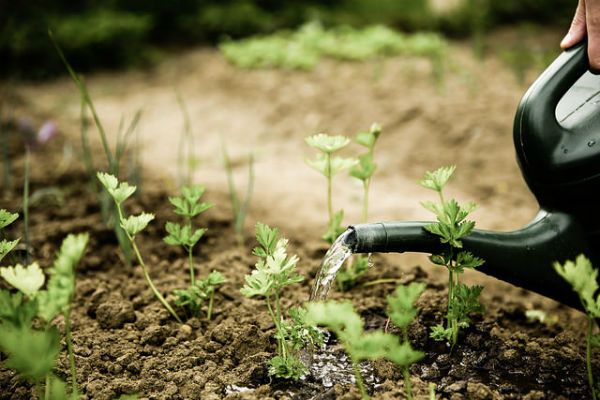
523, 257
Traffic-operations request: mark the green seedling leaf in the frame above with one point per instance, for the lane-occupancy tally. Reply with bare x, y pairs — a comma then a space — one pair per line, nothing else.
341, 318
327, 143
31, 353
7, 218
118, 191
365, 168
437, 179
465, 259
298, 332
15, 311
368, 139
441, 334
267, 238
56, 299
290, 367
401, 305
582, 276
6, 246
466, 302
134, 224
28, 279
213, 279
403, 354
191, 298
182, 235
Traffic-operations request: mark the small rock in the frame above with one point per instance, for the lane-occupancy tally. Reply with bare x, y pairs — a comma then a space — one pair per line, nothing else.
479, 391
533, 348
155, 335
456, 387
535, 395
114, 313
185, 331
508, 355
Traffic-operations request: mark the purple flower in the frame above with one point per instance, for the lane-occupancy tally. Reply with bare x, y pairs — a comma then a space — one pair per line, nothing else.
47, 131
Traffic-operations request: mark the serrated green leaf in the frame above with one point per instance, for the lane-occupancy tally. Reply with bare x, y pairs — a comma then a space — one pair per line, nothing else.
440, 334
402, 354
319, 163
7, 218
364, 169
56, 299
28, 279
582, 276
339, 164
134, 224
327, 143
401, 309
119, 191
437, 179
15, 311
6, 246
339, 317
31, 353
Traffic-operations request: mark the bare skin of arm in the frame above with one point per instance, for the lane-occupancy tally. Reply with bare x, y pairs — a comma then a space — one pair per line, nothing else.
586, 23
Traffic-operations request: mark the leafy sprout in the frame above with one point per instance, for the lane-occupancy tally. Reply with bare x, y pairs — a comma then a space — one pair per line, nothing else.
132, 226
274, 271
452, 225
582, 277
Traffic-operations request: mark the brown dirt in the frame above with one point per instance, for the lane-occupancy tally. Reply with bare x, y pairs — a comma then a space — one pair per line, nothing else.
124, 341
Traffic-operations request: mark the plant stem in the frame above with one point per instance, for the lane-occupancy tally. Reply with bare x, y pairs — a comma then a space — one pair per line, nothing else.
69, 339
47, 387
210, 305
191, 264
329, 189
359, 381
407, 383
145, 270
365, 210
380, 281
588, 356
280, 341
26, 202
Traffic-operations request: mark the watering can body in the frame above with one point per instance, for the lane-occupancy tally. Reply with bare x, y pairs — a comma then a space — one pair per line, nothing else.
557, 143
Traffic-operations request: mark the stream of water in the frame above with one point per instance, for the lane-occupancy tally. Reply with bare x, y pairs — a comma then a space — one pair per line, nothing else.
339, 252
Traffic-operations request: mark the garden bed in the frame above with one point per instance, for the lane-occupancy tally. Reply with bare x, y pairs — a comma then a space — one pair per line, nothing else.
126, 343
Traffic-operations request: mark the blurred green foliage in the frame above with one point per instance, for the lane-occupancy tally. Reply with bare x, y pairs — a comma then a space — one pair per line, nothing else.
114, 33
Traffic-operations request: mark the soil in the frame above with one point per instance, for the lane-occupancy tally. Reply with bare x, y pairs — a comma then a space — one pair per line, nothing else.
126, 343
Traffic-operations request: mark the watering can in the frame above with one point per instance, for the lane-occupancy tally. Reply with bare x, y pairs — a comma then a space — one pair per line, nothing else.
557, 142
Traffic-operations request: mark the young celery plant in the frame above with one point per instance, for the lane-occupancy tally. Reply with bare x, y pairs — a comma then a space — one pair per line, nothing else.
188, 206
402, 311
329, 165
348, 277
274, 271
582, 276
193, 297
240, 209
348, 327
451, 226
132, 225
17, 315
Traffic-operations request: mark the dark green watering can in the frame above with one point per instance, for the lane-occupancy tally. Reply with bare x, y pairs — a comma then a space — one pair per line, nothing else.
557, 142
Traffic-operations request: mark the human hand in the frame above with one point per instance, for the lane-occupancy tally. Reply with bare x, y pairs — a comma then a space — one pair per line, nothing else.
586, 21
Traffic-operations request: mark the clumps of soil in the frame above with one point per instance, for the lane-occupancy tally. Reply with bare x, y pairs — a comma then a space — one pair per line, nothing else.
126, 343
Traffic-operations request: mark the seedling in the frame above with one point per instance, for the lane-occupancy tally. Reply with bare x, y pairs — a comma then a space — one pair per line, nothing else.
188, 206
402, 311
347, 325
582, 276
329, 165
363, 171
33, 352
132, 225
193, 298
274, 271
240, 208
451, 226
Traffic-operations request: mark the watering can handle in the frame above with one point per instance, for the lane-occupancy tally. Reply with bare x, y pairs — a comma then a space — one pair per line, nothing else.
539, 138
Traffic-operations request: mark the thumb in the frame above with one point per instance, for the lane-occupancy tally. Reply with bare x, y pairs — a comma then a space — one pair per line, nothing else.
577, 30
593, 32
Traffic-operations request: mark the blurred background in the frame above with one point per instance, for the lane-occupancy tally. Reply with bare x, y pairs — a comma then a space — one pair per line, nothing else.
122, 33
